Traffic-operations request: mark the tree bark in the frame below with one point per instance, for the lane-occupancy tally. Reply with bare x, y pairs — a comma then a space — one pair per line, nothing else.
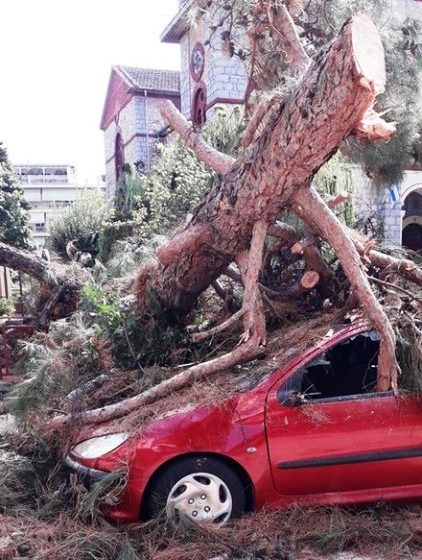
328, 104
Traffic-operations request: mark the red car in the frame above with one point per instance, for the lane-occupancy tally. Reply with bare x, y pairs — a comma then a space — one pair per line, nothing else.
311, 432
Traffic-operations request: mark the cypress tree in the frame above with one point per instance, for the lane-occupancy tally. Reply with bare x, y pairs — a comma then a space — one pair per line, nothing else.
14, 215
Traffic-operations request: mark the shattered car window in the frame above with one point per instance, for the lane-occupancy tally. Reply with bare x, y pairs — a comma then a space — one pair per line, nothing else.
349, 368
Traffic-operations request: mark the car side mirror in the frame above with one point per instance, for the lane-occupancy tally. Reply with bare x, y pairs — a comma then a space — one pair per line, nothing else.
292, 398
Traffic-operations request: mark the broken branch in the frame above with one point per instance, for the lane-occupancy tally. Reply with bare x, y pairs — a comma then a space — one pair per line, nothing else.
310, 206
219, 162
197, 337
404, 267
281, 21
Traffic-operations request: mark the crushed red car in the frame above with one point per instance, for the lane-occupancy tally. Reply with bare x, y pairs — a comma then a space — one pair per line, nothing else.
312, 432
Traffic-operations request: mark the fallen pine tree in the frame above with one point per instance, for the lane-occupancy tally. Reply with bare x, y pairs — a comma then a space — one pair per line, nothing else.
288, 138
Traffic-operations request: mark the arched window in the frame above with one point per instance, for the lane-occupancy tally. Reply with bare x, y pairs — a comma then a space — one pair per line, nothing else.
119, 155
199, 105
412, 221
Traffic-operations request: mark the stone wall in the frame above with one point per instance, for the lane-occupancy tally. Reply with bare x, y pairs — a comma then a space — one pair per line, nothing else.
139, 137
223, 76
368, 200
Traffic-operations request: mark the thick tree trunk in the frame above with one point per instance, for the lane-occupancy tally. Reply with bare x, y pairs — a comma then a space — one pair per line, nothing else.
329, 102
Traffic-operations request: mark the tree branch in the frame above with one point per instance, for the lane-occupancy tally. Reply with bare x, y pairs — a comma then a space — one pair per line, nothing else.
404, 267
338, 199
16, 259
395, 287
282, 22
283, 232
219, 162
250, 264
310, 206
197, 337
308, 248
241, 354
260, 118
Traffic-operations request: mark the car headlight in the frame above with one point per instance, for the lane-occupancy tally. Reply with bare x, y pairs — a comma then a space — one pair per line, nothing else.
98, 446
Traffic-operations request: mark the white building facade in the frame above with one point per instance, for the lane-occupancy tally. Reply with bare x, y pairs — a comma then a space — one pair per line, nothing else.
49, 189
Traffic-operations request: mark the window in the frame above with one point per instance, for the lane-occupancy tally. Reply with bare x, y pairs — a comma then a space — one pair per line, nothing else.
199, 106
347, 369
119, 155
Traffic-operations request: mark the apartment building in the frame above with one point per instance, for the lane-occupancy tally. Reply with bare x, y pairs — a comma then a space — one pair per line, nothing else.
49, 189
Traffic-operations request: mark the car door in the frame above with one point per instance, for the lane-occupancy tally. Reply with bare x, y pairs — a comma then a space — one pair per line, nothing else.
341, 443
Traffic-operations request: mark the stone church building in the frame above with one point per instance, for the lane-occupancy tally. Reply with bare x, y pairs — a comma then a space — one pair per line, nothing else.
131, 118
210, 76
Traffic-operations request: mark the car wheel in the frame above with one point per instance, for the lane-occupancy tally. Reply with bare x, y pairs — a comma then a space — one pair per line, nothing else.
204, 489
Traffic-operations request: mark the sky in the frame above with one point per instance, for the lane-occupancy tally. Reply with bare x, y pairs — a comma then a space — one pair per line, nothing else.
55, 64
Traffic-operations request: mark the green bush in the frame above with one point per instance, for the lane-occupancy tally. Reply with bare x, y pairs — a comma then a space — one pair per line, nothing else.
138, 340
6, 306
177, 180
82, 222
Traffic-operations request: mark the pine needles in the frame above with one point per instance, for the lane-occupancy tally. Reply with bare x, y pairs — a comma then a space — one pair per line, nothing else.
57, 363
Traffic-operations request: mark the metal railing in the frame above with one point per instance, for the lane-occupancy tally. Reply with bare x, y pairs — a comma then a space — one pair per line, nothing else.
44, 179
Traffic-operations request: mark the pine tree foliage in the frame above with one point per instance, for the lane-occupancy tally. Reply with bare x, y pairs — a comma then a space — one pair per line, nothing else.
402, 40
14, 216
59, 362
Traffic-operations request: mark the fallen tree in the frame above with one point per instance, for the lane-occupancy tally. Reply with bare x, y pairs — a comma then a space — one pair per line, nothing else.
286, 142
60, 283
273, 173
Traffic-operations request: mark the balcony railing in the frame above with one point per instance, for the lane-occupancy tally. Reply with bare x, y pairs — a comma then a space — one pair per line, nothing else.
44, 179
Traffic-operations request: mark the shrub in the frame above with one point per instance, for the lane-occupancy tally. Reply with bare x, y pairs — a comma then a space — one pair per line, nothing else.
138, 340
178, 179
6, 306
82, 222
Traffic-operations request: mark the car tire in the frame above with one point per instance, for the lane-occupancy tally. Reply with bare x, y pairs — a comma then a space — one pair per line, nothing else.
205, 489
